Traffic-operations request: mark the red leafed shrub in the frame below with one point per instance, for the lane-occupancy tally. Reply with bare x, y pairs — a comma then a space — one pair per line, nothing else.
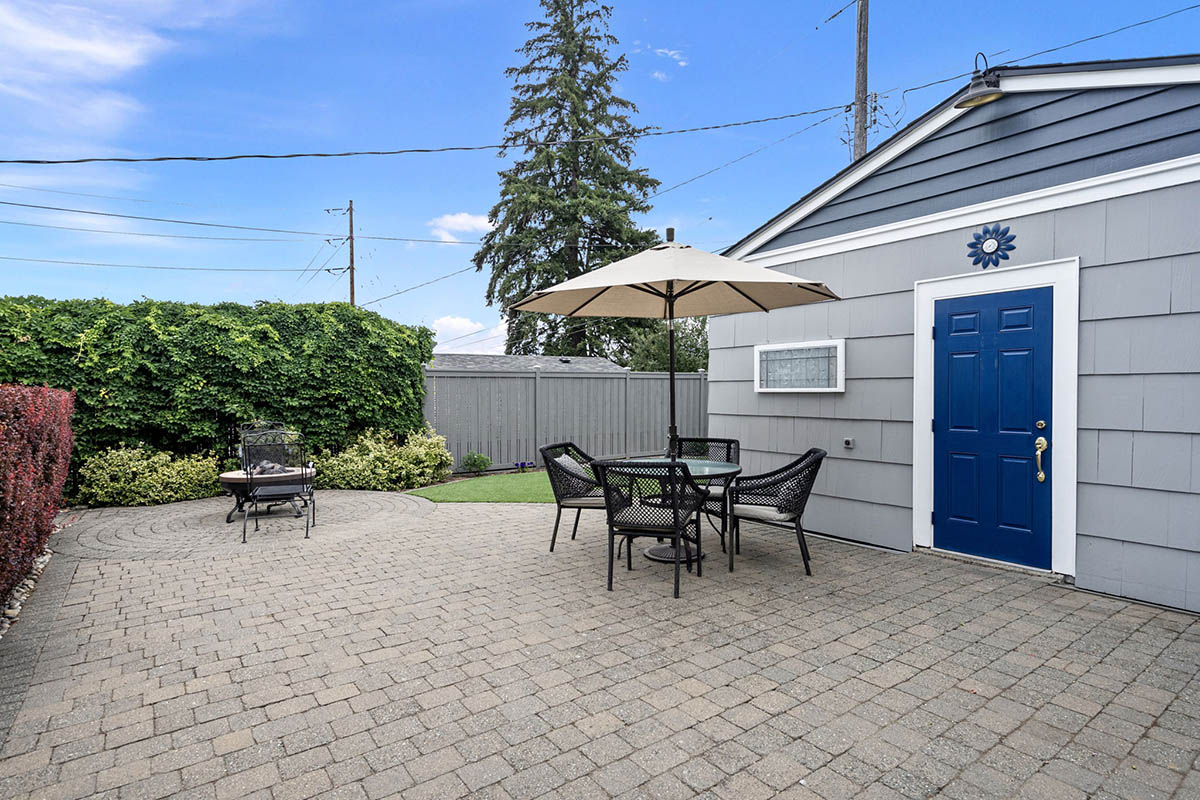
35, 453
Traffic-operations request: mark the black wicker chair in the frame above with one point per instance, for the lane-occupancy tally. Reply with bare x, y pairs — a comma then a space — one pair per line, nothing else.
278, 472
573, 482
652, 499
776, 498
726, 450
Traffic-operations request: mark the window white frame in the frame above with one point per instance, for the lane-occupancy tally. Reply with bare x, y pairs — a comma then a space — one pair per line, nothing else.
840, 344
1063, 275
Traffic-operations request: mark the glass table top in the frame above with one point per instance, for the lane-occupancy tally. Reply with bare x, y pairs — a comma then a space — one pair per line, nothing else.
700, 468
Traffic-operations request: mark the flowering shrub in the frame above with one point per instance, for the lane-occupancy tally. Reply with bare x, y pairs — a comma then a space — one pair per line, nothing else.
35, 454
139, 476
377, 462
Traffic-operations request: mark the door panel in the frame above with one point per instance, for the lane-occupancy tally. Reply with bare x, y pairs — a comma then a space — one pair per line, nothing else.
992, 384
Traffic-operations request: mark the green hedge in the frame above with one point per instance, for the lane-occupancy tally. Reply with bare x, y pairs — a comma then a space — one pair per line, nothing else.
137, 476
180, 377
377, 462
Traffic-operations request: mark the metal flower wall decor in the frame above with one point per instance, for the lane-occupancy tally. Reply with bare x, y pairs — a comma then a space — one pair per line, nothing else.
991, 246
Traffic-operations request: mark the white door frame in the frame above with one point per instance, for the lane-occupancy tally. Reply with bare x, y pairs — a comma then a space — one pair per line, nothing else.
1063, 275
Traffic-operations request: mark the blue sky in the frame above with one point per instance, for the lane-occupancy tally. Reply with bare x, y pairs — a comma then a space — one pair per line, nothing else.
158, 77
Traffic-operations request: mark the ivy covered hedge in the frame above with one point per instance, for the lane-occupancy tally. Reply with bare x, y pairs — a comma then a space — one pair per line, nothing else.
179, 377
35, 449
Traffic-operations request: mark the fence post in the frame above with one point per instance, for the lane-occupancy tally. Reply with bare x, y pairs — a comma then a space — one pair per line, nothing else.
626, 423
701, 383
537, 381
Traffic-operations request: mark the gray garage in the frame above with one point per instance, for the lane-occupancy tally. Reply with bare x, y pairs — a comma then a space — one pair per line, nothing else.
1014, 372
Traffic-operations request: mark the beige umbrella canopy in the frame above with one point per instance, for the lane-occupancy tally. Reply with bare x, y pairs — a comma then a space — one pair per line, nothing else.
673, 280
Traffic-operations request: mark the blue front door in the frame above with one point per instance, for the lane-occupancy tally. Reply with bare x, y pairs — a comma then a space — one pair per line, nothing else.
991, 400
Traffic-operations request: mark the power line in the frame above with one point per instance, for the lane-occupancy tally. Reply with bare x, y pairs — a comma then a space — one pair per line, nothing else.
744, 156
149, 266
419, 285
416, 150
321, 268
410, 239
140, 233
85, 194
207, 225
167, 220
1048, 50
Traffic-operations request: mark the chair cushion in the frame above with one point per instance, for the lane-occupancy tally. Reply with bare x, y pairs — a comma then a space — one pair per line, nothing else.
583, 502
715, 490
765, 513
574, 467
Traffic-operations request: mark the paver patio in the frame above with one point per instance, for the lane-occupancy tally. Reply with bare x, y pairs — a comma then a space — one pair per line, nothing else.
424, 651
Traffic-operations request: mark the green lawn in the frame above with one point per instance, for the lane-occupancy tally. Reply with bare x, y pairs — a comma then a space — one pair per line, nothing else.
515, 487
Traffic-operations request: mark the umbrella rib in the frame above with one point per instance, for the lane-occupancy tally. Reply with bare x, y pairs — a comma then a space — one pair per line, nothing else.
748, 297
517, 305
588, 301
695, 287
648, 290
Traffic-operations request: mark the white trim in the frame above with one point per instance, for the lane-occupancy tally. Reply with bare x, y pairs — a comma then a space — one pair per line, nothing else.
1063, 275
840, 344
1102, 78
878, 158
1090, 190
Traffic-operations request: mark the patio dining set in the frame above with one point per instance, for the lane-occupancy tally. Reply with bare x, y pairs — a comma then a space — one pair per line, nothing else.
666, 497
275, 471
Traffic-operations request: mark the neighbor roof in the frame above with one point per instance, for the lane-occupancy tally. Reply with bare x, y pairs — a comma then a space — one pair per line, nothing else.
1129, 71
500, 363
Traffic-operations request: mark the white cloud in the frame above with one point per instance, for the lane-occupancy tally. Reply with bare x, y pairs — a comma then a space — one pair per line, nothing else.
56, 59
675, 55
660, 76
453, 227
486, 341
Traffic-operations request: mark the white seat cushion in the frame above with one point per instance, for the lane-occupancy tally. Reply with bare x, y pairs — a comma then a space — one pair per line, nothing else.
765, 513
583, 502
715, 490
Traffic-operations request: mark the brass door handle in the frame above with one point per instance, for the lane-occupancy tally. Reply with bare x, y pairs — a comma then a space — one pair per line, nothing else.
1040, 444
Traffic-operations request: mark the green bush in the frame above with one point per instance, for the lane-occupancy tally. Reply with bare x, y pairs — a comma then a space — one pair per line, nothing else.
377, 462
475, 462
181, 377
139, 476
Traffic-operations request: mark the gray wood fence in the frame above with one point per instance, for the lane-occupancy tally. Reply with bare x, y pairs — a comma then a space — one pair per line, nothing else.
507, 416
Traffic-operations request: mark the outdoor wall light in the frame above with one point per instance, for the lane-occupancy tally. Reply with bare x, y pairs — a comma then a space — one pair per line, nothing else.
984, 88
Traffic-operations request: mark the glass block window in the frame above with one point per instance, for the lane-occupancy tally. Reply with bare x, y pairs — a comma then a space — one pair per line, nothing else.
800, 367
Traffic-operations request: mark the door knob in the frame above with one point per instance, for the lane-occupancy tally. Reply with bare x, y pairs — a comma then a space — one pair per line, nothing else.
1040, 444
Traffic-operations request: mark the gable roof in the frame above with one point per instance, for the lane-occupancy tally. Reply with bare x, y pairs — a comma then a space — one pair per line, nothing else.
1081, 75
479, 362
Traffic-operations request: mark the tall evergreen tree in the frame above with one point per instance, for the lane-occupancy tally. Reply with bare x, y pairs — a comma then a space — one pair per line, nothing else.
565, 206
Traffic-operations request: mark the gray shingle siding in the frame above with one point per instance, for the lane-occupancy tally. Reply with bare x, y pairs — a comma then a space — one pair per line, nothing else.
1139, 386
1018, 144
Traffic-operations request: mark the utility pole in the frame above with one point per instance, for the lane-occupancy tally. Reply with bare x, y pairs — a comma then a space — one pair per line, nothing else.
350, 209
860, 88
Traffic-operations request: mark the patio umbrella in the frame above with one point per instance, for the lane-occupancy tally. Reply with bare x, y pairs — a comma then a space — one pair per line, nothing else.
672, 280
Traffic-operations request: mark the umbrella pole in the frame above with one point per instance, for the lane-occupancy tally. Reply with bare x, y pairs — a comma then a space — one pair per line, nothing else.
672, 432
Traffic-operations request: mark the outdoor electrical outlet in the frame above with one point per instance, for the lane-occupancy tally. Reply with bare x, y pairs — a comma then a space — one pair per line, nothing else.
848, 443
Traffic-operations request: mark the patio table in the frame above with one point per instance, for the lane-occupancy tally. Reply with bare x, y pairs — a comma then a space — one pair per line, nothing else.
703, 472
237, 483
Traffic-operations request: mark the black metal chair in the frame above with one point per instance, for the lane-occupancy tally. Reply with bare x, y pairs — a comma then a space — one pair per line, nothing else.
775, 498
573, 482
278, 472
652, 499
726, 450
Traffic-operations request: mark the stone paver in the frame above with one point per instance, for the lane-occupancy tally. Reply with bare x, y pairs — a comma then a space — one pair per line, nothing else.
408, 650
